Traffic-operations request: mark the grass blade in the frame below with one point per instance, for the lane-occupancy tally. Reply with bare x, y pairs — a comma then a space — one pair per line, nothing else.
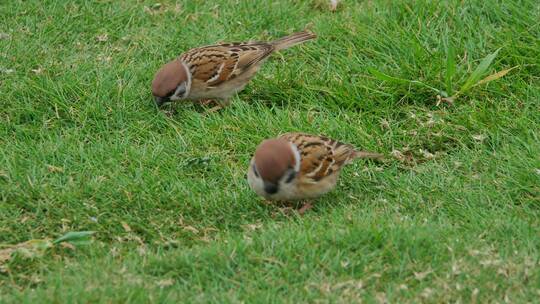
478, 72
450, 69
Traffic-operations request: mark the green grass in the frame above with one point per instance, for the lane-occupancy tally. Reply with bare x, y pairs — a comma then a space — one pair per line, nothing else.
452, 216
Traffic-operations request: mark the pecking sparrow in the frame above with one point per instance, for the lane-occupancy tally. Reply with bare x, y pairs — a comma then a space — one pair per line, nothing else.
299, 166
216, 71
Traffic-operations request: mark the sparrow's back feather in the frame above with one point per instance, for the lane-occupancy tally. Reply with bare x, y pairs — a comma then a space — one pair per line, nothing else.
322, 156
216, 64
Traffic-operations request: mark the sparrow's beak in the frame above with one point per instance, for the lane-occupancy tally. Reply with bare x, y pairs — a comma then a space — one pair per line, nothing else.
160, 100
270, 188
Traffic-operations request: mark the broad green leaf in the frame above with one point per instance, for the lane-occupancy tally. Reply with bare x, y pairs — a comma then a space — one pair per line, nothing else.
495, 76
381, 76
384, 77
74, 237
480, 70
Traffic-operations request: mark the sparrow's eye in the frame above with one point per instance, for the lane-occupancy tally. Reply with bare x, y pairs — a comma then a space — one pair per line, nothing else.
255, 170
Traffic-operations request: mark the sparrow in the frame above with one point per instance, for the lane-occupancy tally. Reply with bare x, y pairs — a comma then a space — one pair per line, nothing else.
299, 166
216, 71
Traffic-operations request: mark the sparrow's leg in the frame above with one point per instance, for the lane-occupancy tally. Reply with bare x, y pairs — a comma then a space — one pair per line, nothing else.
170, 112
305, 208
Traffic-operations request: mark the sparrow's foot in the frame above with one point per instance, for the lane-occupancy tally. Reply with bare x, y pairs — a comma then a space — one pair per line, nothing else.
170, 112
216, 108
307, 206
267, 202
206, 102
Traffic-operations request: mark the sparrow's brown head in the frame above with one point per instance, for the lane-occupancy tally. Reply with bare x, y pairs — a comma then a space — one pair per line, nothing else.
273, 159
172, 82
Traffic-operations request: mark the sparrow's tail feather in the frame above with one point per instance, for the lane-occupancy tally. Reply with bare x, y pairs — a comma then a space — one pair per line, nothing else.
292, 40
368, 155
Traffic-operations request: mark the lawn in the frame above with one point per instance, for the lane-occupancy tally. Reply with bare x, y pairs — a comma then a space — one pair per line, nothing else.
451, 215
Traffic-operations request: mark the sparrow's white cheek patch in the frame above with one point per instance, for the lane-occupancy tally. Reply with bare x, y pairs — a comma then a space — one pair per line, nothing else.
188, 83
180, 92
255, 170
296, 157
255, 183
